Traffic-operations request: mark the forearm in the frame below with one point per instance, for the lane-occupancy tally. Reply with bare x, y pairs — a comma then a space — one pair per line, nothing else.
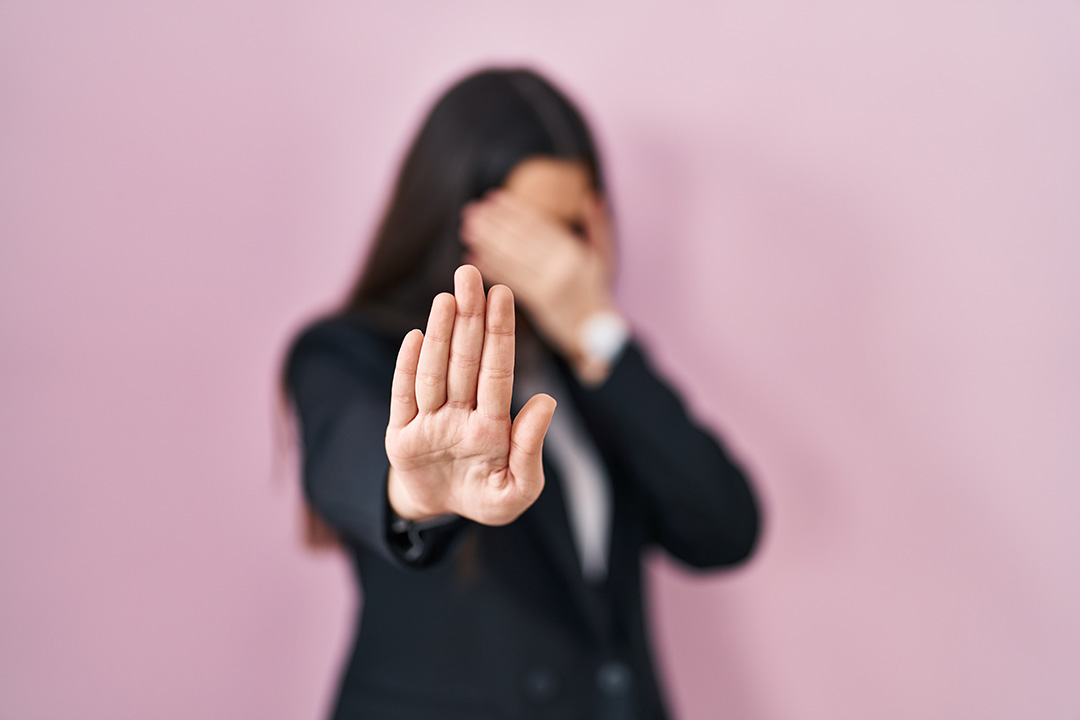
701, 505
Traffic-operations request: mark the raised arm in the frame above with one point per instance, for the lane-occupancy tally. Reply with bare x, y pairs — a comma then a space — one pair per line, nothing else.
700, 505
431, 436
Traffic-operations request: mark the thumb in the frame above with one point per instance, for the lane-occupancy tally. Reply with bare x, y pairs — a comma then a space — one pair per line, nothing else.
527, 443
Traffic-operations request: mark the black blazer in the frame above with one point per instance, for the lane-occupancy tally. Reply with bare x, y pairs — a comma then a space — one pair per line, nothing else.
498, 622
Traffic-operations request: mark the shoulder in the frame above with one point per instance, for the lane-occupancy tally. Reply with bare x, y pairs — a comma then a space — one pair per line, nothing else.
350, 340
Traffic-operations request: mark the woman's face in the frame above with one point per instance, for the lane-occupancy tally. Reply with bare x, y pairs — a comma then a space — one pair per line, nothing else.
545, 234
557, 189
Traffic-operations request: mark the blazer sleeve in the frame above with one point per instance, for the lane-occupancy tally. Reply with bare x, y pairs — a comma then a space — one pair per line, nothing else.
699, 504
339, 381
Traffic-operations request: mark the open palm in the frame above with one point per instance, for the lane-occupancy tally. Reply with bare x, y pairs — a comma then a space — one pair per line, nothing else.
451, 443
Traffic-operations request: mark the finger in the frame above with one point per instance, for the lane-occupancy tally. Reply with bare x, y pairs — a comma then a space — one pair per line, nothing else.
403, 389
480, 225
511, 206
598, 229
474, 228
499, 210
467, 342
434, 354
527, 444
491, 229
495, 385
505, 254
507, 213
490, 251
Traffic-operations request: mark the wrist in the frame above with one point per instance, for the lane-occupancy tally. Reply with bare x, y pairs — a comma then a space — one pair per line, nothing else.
402, 502
600, 338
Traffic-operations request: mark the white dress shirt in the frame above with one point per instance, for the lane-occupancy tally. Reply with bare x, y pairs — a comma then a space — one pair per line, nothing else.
585, 482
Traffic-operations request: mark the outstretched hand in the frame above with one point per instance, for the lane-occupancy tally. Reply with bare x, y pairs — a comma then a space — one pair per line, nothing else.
451, 443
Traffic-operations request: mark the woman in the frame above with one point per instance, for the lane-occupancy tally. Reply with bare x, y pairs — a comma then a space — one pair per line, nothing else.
499, 542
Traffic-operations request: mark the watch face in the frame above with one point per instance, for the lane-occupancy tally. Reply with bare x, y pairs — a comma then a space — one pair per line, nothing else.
603, 335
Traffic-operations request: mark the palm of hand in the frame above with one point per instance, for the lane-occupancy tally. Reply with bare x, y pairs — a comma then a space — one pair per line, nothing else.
451, 443
462, 457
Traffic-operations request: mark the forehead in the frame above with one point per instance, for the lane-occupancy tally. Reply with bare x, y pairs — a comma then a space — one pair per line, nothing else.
558, 188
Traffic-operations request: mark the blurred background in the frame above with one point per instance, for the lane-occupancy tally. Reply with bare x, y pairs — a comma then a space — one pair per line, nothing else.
850, 233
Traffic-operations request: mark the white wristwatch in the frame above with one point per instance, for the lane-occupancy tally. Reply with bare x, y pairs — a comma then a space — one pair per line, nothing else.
603, 336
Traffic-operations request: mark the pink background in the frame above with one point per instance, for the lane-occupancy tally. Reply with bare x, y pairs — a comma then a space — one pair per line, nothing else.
850, 232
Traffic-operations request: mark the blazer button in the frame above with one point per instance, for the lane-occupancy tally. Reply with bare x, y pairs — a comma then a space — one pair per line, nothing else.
541, 685
614, 678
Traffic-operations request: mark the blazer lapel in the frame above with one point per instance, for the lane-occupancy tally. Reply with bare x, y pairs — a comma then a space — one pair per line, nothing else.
548, 521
